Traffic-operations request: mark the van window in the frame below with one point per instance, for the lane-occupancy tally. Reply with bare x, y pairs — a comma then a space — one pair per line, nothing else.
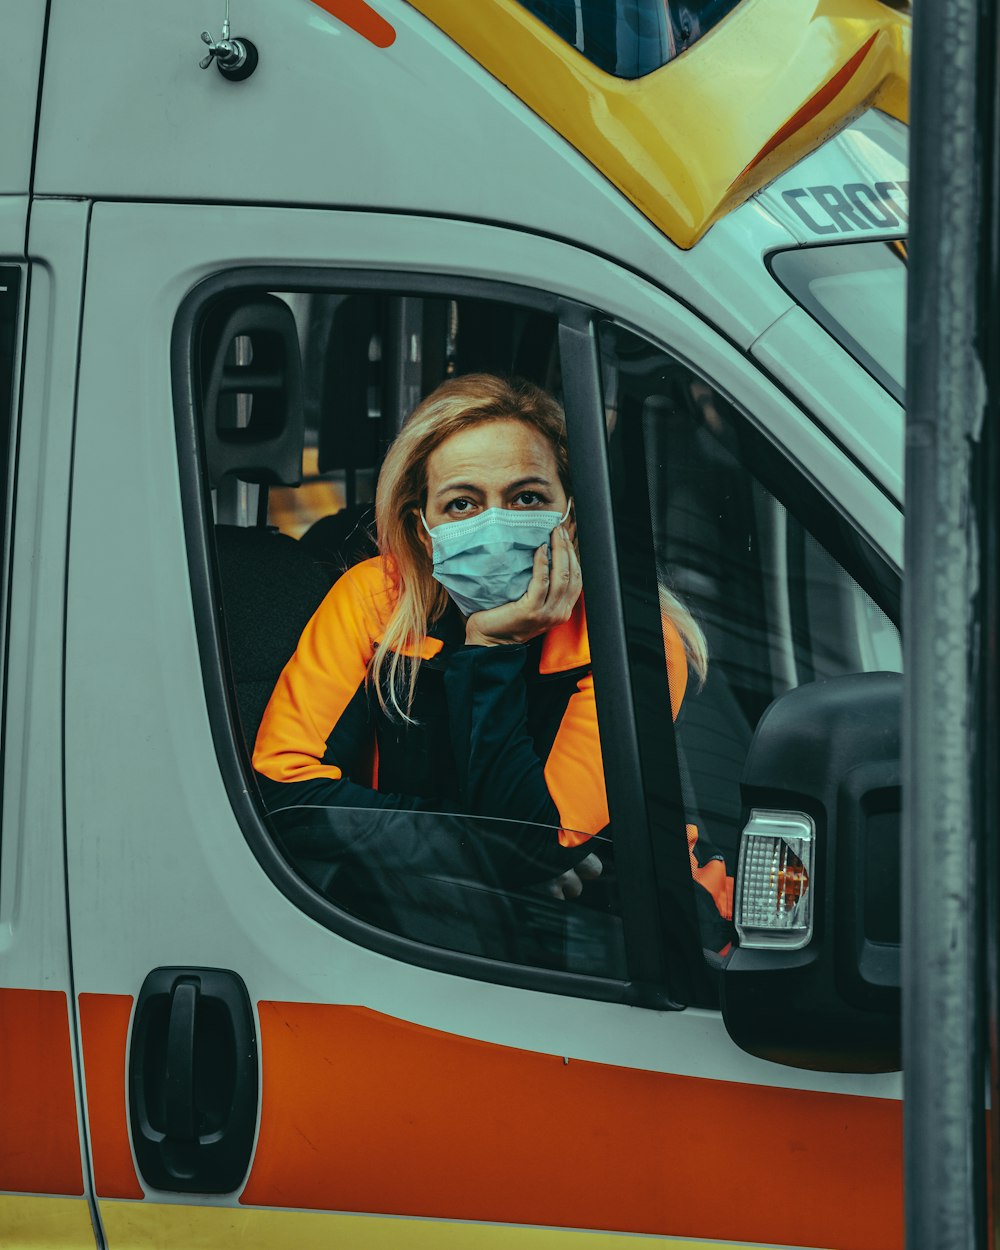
856, 291
301, 393
630, 38
748, 559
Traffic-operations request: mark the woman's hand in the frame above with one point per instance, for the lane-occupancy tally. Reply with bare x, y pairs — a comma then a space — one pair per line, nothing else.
570, 884
549, 600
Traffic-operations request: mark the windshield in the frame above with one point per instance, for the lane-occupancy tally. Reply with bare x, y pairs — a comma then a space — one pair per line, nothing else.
857, 291
630, 38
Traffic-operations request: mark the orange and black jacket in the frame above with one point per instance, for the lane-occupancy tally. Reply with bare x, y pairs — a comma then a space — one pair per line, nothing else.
506, 732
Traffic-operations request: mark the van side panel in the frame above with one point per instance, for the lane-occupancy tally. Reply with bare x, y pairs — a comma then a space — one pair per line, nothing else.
152, 1226
104, 1021
330, 117
424, 1104
23, 27
39, 1142
366, 1057
30, 1220
41, 1125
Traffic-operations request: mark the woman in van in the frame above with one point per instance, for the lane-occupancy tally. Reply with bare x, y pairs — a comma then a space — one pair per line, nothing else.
451, 673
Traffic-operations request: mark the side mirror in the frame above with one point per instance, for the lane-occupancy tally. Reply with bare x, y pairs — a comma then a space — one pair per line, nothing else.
815, 980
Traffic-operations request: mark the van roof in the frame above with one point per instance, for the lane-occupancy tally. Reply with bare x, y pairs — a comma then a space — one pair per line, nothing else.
689, 142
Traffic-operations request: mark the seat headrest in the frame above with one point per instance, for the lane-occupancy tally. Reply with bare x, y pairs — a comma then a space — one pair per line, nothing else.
252, 414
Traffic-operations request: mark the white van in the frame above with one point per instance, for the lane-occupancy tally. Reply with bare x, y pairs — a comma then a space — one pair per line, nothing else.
221, 291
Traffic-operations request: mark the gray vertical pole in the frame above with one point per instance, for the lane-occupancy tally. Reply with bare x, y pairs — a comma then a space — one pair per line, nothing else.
943, 1012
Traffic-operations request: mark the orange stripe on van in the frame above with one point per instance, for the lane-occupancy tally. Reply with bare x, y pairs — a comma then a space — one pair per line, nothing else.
361, 17
362, 1112
39, 1135
813, 106
104, 1024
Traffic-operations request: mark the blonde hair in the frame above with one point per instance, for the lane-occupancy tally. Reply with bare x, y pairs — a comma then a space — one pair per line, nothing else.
679, 615
418, 600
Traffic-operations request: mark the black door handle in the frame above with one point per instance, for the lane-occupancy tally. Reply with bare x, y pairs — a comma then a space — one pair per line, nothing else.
193, 1085
178, 1079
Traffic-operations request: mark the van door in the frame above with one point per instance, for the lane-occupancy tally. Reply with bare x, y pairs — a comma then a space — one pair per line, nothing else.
44, 1167
270, 1055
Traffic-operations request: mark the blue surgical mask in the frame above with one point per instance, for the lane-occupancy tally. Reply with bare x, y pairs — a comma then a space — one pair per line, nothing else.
487, 559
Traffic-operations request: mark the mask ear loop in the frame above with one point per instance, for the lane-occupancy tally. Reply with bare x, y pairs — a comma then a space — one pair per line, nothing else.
569, 508
424, 520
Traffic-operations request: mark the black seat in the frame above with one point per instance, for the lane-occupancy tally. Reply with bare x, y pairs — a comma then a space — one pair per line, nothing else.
254, 428
270, 589
342, 539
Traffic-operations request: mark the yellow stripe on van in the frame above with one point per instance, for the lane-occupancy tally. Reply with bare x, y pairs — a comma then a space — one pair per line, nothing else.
694, 139
42, 1222
138, 1225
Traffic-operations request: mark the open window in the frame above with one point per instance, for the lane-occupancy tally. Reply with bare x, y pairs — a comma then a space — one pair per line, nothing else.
291, 387
293, 392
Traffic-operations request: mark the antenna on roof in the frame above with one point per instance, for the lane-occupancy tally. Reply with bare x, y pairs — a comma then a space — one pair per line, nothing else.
236, 58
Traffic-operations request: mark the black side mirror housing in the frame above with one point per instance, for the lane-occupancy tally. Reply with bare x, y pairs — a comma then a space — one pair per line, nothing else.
829, 750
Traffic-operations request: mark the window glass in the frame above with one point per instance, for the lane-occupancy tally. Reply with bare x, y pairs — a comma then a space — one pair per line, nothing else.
473, 817
630, 38
857, 291
492, 888
750, 566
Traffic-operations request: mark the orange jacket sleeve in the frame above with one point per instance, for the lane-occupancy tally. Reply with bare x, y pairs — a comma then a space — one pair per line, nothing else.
320, 680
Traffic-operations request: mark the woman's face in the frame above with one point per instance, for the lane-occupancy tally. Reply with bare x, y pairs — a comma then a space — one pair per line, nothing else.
493, 464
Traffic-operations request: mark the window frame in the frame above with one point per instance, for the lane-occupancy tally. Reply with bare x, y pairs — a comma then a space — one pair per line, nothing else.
653, 965
665, 949
665, 968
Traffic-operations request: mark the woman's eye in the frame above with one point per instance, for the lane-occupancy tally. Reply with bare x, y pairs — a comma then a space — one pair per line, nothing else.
528, 499
458, 507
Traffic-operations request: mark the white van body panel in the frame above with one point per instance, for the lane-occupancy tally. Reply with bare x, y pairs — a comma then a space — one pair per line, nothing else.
33, 937
187, 888
13, 224
842, 395
865, 167
35, 956
136, 119
23, 27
